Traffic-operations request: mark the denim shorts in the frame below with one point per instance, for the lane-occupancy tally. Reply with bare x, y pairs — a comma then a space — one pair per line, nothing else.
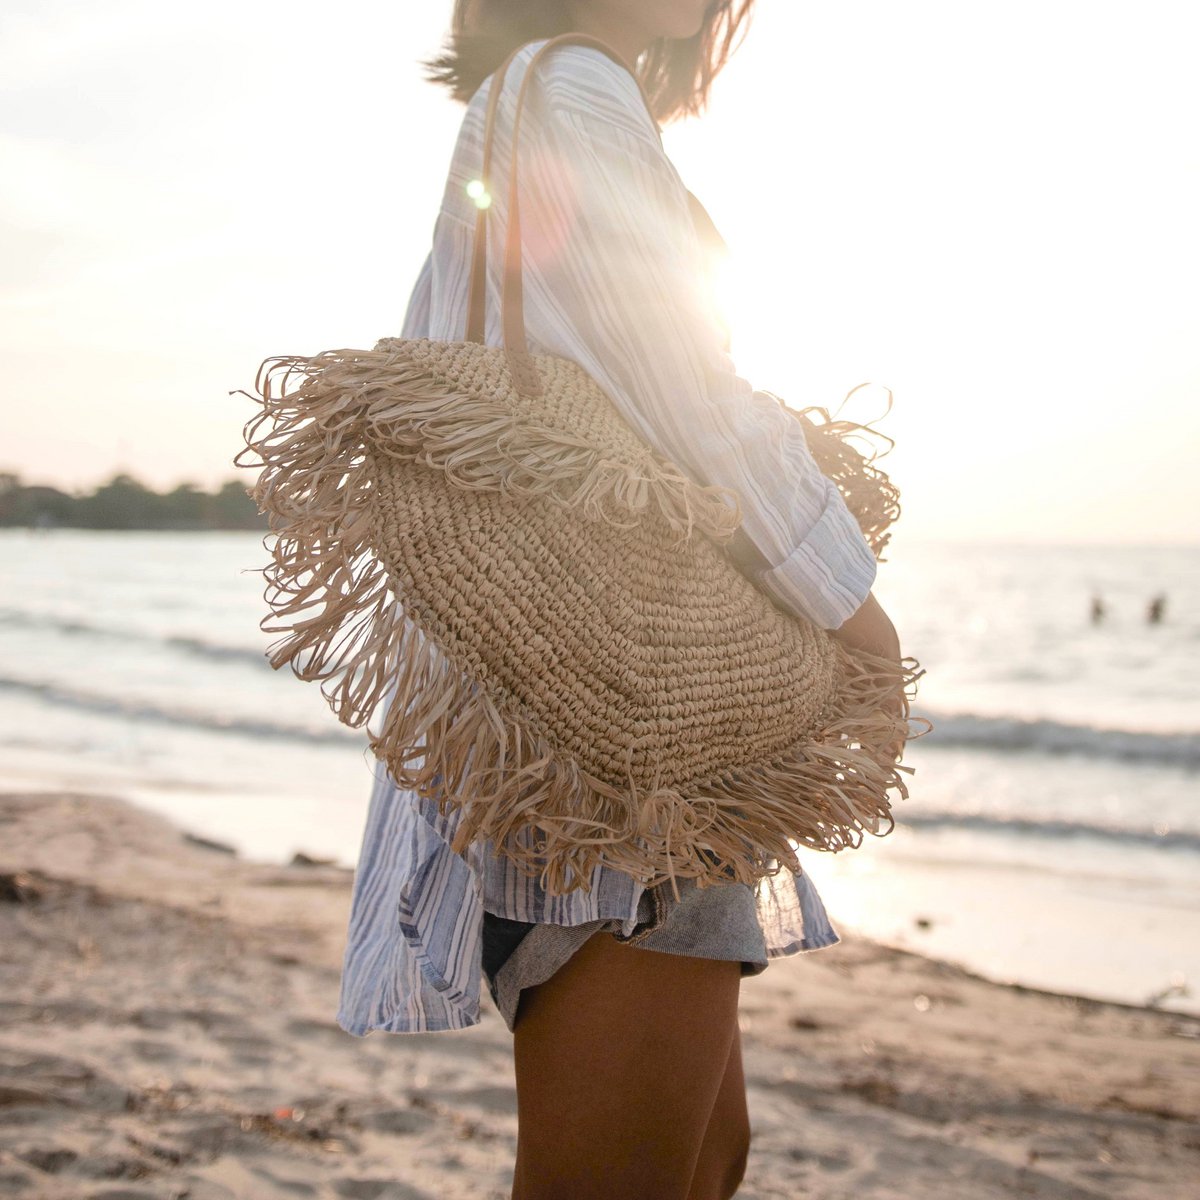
719, 921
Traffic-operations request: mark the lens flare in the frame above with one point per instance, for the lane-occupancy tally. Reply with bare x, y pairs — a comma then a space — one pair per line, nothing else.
479, 193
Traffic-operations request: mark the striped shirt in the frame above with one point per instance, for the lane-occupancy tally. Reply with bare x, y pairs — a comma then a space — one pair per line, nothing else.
615, 280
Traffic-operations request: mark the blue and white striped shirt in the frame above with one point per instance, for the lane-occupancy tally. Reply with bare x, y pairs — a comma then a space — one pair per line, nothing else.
614, 276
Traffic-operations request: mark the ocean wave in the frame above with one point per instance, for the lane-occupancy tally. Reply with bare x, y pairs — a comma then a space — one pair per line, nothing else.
1162, 836
147, 711
196, 646
216, 650
1062, 737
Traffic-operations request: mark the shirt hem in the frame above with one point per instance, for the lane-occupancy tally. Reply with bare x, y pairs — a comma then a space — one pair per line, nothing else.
395, 1024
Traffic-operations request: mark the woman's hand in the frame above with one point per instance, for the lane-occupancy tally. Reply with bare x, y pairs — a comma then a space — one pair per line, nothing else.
870, 631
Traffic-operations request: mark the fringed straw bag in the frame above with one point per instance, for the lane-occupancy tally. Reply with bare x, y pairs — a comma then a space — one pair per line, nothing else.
578, 666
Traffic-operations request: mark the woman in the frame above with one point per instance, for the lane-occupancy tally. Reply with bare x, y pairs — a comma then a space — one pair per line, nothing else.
622, 1000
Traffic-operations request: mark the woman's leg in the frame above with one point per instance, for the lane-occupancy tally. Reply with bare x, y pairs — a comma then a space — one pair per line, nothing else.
726, 1146
622, 1060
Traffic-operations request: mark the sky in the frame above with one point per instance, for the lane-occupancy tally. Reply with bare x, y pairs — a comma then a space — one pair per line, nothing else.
989, 210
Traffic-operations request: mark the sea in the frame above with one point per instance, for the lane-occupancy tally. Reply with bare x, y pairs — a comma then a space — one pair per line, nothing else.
1050, 838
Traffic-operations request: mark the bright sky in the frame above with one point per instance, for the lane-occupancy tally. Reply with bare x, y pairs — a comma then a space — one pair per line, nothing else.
990, 209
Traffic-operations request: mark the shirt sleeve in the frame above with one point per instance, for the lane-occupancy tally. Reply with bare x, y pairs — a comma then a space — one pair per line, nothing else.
614, 278
417, 312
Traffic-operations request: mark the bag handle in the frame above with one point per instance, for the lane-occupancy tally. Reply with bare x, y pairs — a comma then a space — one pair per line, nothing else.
512, 300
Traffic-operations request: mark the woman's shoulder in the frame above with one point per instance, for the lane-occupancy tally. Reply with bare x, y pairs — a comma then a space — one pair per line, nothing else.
577, 76
584, 81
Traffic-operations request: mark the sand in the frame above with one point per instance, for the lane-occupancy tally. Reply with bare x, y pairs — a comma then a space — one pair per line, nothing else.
167, 1031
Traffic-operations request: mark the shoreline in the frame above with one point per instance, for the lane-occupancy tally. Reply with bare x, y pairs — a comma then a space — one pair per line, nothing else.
168, 1028
927, 892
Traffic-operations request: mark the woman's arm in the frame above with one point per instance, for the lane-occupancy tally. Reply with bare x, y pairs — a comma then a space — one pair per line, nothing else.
870, 629
614, 279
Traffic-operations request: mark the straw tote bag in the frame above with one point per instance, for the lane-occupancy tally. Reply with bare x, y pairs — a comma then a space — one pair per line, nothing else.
578, 665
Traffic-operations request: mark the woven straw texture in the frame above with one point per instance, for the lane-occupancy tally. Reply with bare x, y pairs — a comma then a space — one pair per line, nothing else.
578, 666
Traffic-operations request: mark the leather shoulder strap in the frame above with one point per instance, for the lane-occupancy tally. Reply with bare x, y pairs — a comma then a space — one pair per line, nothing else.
512, 314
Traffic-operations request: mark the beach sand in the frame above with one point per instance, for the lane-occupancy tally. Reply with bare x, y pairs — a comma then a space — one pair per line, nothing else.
167, 1030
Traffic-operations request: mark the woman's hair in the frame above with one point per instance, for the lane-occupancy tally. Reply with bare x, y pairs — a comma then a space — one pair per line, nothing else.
676, 73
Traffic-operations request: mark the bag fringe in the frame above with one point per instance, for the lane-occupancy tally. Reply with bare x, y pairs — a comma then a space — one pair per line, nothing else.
446, 738
319, 413
869, 494
443, 734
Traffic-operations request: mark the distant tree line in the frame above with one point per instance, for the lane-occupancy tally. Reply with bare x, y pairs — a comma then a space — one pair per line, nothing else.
125, 503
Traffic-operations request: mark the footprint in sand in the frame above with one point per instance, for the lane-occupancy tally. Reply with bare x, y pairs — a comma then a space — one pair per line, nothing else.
502, 1100
395, 1120
377, 1189
156, 1052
